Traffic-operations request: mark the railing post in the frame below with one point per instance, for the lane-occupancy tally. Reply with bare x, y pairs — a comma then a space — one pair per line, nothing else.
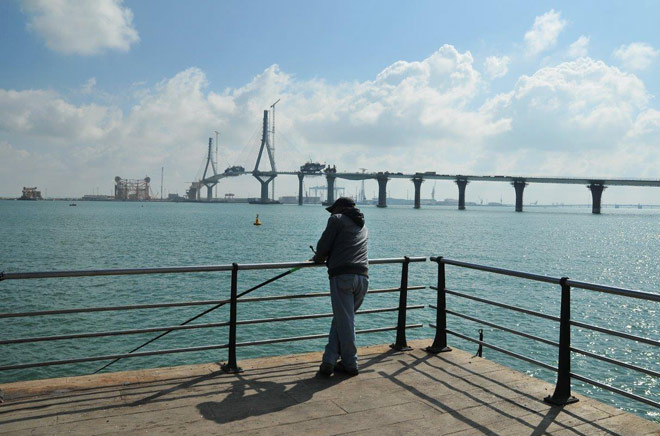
562, 394
480, 350
401, 344
440, 340
231, 366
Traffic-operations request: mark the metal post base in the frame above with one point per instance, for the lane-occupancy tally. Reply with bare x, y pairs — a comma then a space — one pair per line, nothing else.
400, 347
227, 369
560, 402
435, 350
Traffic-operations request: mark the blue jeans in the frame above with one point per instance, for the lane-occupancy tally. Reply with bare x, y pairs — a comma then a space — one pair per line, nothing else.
347, 292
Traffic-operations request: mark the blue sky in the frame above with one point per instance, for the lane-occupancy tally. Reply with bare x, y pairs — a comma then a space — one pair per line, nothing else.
96, 89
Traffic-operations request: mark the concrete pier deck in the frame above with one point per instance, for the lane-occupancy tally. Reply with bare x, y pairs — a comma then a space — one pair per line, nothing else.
396, 393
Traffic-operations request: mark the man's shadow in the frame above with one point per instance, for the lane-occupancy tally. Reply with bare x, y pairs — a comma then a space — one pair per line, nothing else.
250, 398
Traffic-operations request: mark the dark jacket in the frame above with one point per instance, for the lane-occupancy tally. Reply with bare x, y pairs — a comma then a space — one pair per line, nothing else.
344, 244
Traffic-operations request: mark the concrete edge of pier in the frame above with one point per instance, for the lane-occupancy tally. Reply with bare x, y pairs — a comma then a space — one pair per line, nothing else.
396, 393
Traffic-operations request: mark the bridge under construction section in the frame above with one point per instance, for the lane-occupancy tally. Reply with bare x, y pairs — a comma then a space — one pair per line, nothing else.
595, 185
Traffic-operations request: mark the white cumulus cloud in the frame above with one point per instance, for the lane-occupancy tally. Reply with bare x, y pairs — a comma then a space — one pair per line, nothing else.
636, 56
582, 117
82, 27
580, 48
39, 113
573, 117
544, 33
409, 108
497, 66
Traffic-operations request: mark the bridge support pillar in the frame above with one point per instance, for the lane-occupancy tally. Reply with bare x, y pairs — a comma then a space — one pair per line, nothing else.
596, 193
300, 188
462, 183
331, 188
264, 187
382, 190
519, 186
418, 184
209, 191
264, 191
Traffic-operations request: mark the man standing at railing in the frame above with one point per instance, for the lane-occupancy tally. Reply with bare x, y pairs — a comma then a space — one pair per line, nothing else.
343, 245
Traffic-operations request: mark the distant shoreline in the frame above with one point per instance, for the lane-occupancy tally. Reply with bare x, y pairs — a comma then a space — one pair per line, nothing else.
391, 202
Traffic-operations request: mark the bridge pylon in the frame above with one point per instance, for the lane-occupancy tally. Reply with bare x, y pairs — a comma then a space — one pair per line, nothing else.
265, 177
209, 161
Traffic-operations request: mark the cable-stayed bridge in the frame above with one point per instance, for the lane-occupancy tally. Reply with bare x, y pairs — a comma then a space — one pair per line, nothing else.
595, 185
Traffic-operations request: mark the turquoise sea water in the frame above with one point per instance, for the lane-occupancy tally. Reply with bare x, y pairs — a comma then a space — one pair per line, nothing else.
618, 248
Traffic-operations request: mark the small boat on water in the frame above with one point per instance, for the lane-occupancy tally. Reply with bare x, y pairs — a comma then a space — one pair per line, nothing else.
73, 204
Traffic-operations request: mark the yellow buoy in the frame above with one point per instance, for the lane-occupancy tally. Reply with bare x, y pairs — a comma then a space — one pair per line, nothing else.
256, 221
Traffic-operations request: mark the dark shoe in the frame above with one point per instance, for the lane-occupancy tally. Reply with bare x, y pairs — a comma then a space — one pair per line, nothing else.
326, 369
346, 370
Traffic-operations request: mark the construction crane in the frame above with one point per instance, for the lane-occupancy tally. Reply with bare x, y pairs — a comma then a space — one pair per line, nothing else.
216, 159
322, 189
272, 147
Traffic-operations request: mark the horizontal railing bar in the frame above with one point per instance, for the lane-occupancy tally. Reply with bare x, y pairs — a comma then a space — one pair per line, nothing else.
616, 362
185, 303
320, 294
505, 306
113, 333
616, 333
616, 390
320, 336
113, 356
323, 315
183, 269
502, 271
115, 272
258, 266
504, 351
111, 308
187, 327
506, 329
649, 296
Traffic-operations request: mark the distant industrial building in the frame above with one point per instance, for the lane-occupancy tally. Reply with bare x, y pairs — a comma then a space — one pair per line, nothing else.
31, 194
132, 189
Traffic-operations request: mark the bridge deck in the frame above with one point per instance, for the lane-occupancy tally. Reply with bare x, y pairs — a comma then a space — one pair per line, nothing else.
434, 176
395, 393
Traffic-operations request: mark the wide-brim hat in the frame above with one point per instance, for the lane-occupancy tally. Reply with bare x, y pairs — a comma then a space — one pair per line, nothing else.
341, 203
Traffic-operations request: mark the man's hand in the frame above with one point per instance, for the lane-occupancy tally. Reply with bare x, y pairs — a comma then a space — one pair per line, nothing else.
317, 260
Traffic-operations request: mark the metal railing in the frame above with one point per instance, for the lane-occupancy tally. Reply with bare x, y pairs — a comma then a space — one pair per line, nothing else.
562, 393
235, 298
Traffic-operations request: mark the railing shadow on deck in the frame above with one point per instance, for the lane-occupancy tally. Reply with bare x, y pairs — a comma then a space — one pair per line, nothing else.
233, 407
505, 394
